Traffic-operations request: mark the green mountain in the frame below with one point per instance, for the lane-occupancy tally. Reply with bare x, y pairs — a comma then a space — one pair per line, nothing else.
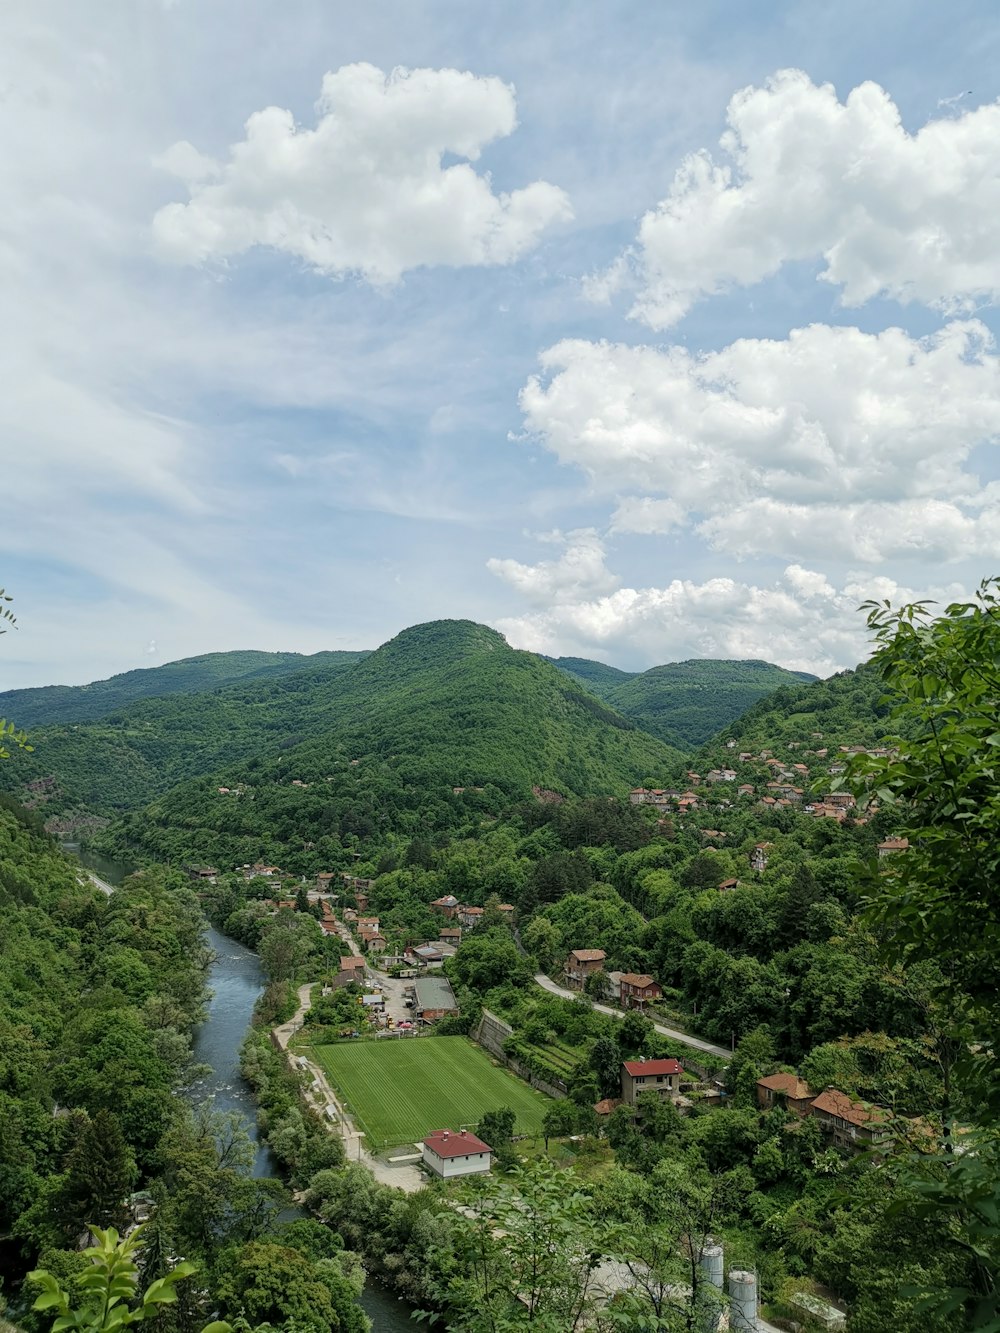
442, 706
683, 703
598, 677
849, 708
53, 704
126, 757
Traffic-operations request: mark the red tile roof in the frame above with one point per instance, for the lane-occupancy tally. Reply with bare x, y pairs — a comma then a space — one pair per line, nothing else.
833, 1102
446, 1143
635, 1067
607, 1104
588, 955
790, 1084
637, 979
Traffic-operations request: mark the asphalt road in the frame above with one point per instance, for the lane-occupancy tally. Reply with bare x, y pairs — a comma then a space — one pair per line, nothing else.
695, 1043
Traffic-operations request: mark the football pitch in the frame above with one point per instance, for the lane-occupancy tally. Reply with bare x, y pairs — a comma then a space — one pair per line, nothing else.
399, 1090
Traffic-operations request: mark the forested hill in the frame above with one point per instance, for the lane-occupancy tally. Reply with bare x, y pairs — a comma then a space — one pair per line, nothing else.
683, 703
53, 704
849, 708
442, 706
124, 759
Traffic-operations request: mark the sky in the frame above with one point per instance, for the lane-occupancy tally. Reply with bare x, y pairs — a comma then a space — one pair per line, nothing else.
638, 331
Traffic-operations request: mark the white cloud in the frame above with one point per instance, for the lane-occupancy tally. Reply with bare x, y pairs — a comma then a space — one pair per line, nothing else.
643, 514
579, 572
801, 621
831, 439
806, 177
365, 191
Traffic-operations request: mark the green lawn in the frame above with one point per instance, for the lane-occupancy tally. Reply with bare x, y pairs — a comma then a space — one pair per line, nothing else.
398, 1091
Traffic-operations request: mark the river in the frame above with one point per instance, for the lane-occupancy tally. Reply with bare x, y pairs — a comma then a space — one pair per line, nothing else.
236, 980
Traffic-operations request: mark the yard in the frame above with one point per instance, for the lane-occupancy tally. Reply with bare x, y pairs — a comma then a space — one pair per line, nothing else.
398, 1091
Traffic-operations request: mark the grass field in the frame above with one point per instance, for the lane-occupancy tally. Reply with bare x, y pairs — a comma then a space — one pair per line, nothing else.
398, 1091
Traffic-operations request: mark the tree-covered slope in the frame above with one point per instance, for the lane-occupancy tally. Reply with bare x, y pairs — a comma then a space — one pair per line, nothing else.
598, 677
53, 704
122, 760
442, 706
683, 703
849, 708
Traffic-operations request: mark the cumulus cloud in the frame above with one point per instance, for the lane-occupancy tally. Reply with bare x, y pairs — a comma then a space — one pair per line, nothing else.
643, 514
806, 177
578, 572
801, 621
829, 440
366, 190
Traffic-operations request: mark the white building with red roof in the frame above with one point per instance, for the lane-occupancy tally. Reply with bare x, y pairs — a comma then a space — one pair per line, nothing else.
448, 1154
660, 1076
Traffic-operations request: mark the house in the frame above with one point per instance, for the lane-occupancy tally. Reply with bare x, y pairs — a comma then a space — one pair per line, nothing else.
469, 917
759, 858
374, 1003
506, 909
662, 1076
712, 835
581, 964
205, 874
728, 885
786, 1090
447, 1154
638, 989
613, 986
892, 845
745, 789
324, 881
353, 963
376, 943
434, 998
423, 955
448, 905
367, 923
852, 1124
606, 1105
451, 935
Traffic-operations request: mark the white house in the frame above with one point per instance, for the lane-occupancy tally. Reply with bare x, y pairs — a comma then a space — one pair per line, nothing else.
449, 1154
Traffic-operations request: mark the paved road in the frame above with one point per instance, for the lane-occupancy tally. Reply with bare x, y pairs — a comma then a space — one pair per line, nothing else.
102, 884
695, 1043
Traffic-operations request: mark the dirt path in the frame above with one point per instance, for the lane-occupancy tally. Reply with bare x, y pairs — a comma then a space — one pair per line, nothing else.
695, 1043
405, 1176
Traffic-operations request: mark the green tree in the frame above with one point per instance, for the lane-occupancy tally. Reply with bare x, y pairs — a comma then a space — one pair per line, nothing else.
606, 1062
110, 1289
938, 902
100, 1171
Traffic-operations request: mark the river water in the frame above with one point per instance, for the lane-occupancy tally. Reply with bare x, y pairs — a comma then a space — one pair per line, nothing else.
236, 980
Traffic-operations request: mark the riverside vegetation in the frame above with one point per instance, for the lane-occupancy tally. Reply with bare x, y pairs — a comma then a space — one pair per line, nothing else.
879, 980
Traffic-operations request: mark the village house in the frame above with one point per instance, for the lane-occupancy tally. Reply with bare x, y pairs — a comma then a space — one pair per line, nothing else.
636, 990
447, 1154
468, 917
581, 964
713, 835
759, 858
787, 1091
434, 998
202, 874
660, 1076
423, 955
891, 846
375, 942
507, 909
265, 872
745, 756
353, 963
451, 935
324, 881
852, 1124
745, 789
728, 885
613, 986
448, 905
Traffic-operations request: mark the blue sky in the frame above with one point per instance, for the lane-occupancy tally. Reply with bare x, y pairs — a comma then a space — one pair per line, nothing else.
458, 340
